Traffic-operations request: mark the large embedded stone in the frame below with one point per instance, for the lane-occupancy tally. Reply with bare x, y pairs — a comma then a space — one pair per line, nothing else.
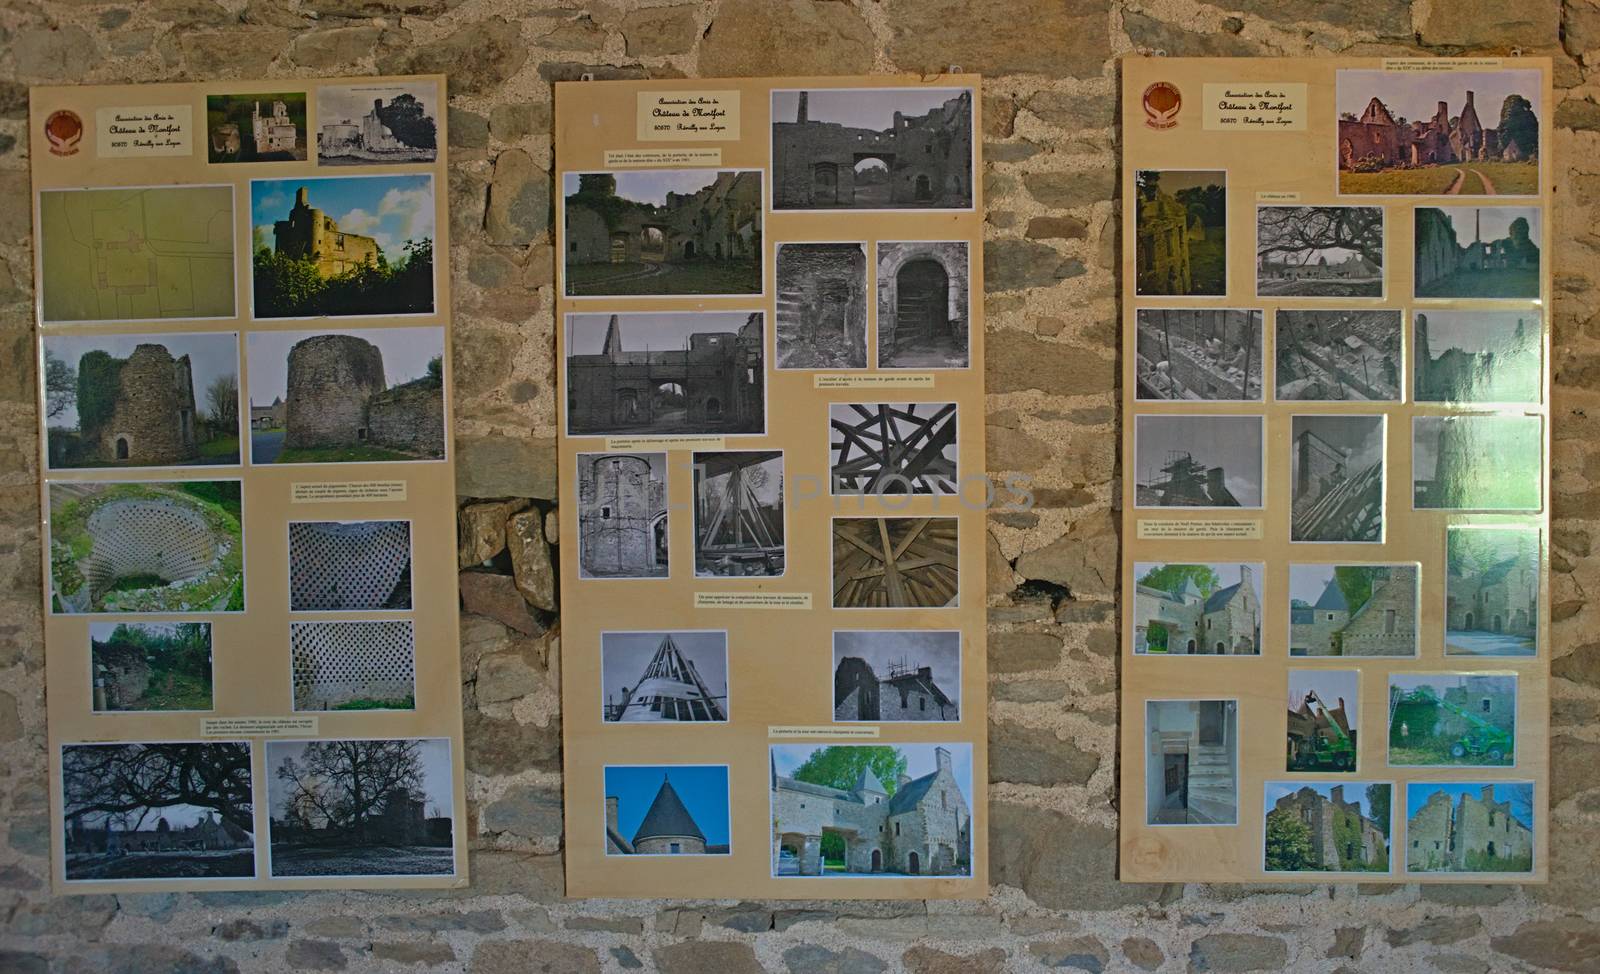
1236, 953
1045, 37
496, 596
660, 31
519, 200
1060, 862
749, 37
1031, 756
530, 559
532, 957
481, 530
701, 956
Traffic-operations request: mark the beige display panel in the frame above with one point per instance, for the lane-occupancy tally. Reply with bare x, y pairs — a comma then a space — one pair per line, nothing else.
1335, 616
771, 369
251, 615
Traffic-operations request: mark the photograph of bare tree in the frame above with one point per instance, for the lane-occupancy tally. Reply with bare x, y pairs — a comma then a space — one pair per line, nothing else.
1319, 251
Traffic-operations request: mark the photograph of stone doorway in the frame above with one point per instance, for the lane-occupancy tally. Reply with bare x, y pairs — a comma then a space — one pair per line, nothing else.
1492, 591
622, 515
1191, 762
1182, 221
739, 513
1193, 354
895, 563
893, 448
922, 305
1501, 260
822, 306
676, 677
1198, 461
1336, 475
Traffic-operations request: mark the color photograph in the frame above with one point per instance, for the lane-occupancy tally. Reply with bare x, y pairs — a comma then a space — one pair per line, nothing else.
1479, 357
256, 127
1469, 827
1198, 461
1336, 471
1324, 716
1312, 827
1491, 591
908, 675
1319, 251
738, 513
1500, 261
664, 677
1452, 720
898, 448
377, 124
896, 563
622, 515
1191, 762
1486, 463
1338, 356
150, 666
1182, 224
922, 304
822, 306
1193, 354
356, 665
1353, 610
1197, 609
650, 814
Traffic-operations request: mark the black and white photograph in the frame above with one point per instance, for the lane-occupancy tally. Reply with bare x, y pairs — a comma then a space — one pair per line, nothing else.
679, 676
1479, 356
622, 515
365, 664
738, 513
1182, 227
922, 304
1319, 251
1338, 356
1477, 463
339, 566
169, 810
666, 373
1499, 260
822, 306
150, 666
872, 149
377, 124
361, 808
1191, 762
902, 675
1199, 354
896, 563
1491, 591
1336, 473
1198, 461
892, 448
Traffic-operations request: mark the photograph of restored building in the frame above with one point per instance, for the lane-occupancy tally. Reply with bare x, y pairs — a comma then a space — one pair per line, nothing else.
1469, 827
896, 563
1323, 718
1479, 356
1319, 251
256, 127
1191, 762
150, 666
1181, 219
662, 232
822, 306
664, 677
1353, 610
666, 372
1311, 826
1336, 478
892, 448
1501, 261
922, 304
1197, 609
1198, 461
1338, 356
667, 810
1198, 354
339, 566
896, 675
376, 124
872, 149
1487, 463
871, 810
622, 515
738, 513
1491, 591
1452, 720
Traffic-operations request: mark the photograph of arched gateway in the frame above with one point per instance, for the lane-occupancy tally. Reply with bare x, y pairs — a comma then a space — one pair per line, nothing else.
872, 149
922, 304
622, 515
1500, 261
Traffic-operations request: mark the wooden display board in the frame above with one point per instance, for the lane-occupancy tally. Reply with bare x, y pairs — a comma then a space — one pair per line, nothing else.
1336, 469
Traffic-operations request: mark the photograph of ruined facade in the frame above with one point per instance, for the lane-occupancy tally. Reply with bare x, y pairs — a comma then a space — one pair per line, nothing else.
1324, 714
1319, 251
892, 448
664, 677
141, 400
1478, 356
822, 306
622, 515
667, 810
349, 565
1199, 354
1338, 356
363, 665
1197, 609
256, 127
872, 149
896, 675
1469, 827
1353, 610
1486, 463
1191, 762
662, 232
1336, 478
150, 666
1313, 827
1405, 134
371, 395
1452, 720
895, 563
1198, 461
871, 810
666, 372
738, 513
1501, 260
922, 305
362, 125
1182, 224
1491, 591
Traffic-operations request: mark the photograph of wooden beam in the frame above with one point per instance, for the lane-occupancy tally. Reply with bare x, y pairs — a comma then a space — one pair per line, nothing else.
892, 447
895, 562
738, 513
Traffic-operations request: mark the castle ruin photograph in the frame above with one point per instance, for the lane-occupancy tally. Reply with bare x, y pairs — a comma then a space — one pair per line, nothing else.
667, 810
910, 675
622, 515
1500, 261
1338, 356
922, 304
1336, 474
1478, 356
150, 666
256, 127
1181, 218
363, 125
1319, 251
1199, 354
1486, 463
1353, 610
1314, 826
1469, 827
1198, 461
822, 306
652, 677
1491, 591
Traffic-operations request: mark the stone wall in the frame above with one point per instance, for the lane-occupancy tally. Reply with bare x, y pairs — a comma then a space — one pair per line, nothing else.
1052, 253
409, 418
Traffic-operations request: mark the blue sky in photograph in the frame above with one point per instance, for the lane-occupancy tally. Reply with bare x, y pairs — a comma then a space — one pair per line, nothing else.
919, 760
211, 355
390, 209
1228, 573
1354, 791
1518, 793
406, 352
703, 788
1330, 687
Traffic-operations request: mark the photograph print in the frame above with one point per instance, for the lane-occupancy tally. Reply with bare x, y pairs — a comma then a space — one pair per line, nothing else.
666, 373
1198, 461
896, 563
1469, 827
1197, 354
1322, 827
1452, 720
1197, 609
661, 232
356, 665
664, 677
337, 566
1491, 591
1336, 476
892, 448
1479, 356
622, 515
1500, 261
667, 810
1338, 356
922, 304
1319, 251
150, 666
377, 124
1181, 226
738, 513
168, 810
141, 400
896, 675
1405, 134
361, 808
822, 306
1324, 715
872, 149
1353, 610
1191, 762
256, 127
1485, 463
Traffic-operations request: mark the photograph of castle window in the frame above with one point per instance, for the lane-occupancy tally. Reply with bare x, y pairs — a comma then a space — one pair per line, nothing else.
822, 306
1479, 356
169, 810
1198, 461
1405, 134
622, 515
1191, 762
150, 666
1311, 827
166, 546
660, 232
1502, 261
1469, 827
1182, 224
368, 395
1353, 610
895, 563
738, 513
256, 127
892, 448
667, 810
1453, 720
1197, 609
872, 149
871, 810
664, 677
1319, 251
360, 808
1487, 463
1491, 591
911, 675
1338, 356
922, 305
700, 372
342, 245
342, 565
363, 125
366, 665
141, 400
1324, 714
1336, 476
1198, 354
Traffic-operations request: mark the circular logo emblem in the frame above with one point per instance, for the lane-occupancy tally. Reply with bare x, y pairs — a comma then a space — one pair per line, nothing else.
63, 130
1161, 104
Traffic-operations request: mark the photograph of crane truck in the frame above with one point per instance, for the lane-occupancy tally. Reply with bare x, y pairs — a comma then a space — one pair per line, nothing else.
1324, 711
1452, 720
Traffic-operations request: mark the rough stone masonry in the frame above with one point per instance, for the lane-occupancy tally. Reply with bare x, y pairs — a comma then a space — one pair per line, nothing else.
1050, 107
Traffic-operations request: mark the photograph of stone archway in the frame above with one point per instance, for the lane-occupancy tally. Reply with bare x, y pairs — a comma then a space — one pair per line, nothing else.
922, 304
